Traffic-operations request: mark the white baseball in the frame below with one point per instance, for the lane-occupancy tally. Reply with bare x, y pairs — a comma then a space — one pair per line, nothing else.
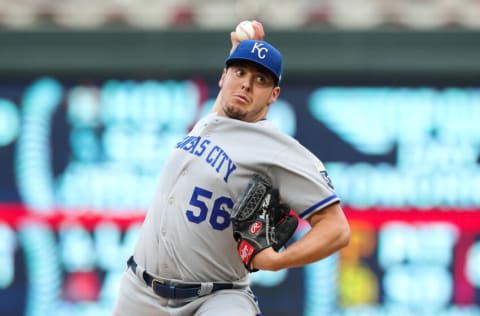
245, 30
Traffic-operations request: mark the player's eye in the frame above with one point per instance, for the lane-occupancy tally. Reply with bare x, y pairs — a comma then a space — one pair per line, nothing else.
264, 80
261, 80
239, 72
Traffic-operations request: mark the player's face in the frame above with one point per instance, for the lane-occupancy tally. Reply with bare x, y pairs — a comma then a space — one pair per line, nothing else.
246, 92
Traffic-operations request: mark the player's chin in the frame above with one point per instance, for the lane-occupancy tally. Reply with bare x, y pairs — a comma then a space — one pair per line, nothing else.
235, 112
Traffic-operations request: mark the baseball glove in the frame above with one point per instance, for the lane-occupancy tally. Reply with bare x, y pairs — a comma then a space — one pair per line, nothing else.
260, 221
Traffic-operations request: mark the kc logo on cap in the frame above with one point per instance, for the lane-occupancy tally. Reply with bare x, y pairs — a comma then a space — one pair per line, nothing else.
261, 51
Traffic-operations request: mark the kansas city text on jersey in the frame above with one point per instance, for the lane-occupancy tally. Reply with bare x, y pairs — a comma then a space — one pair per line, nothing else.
214, 155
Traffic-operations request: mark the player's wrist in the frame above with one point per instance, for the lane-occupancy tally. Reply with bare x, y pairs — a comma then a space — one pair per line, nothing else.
266, 260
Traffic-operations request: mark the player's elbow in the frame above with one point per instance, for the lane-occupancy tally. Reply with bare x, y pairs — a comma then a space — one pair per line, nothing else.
344, 235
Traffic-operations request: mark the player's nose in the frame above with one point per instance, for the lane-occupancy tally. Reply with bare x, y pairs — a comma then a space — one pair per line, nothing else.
247, 82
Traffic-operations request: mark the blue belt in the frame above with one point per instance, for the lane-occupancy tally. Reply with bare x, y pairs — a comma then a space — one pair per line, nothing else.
166, 289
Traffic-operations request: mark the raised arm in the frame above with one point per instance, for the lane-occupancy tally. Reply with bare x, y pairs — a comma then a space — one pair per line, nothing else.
259, 35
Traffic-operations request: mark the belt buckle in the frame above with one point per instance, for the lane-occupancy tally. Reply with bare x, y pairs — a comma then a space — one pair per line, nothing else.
164, 289
160, 282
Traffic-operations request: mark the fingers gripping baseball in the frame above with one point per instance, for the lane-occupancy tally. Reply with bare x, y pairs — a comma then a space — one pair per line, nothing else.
258, 34
259, 221
259, 31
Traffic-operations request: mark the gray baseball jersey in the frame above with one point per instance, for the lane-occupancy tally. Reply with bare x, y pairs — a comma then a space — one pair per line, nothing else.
187, 233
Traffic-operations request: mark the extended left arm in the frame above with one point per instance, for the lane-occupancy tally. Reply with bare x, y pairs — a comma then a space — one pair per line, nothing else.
330, 232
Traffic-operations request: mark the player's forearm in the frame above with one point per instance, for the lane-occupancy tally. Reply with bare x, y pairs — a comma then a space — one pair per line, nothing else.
320, 242
330, 232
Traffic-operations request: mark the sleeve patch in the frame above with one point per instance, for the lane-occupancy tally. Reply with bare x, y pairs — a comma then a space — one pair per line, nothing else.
327, 179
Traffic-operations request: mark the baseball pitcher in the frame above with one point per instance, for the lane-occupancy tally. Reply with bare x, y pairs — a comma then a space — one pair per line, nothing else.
224, 204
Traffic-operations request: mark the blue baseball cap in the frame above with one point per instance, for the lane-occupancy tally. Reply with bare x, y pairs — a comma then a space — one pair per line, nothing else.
261, 53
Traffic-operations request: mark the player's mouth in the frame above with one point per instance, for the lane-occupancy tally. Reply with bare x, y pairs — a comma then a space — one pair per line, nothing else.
242, 98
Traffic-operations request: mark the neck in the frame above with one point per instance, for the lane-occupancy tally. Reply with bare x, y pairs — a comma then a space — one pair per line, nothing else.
217, 107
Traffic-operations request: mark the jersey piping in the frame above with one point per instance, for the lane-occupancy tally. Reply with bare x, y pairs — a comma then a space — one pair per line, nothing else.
322, 204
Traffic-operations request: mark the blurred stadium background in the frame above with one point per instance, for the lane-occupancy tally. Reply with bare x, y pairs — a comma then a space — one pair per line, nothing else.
386, 93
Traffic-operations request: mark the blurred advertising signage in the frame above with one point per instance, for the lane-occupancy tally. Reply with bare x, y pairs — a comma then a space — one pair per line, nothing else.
382, 146
83, 160
430, 136
390, 146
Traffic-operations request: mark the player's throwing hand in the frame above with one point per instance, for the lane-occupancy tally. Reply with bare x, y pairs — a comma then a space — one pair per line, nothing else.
259, 35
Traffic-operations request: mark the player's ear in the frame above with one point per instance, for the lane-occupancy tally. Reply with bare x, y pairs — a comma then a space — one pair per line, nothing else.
222, 78
274, 96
